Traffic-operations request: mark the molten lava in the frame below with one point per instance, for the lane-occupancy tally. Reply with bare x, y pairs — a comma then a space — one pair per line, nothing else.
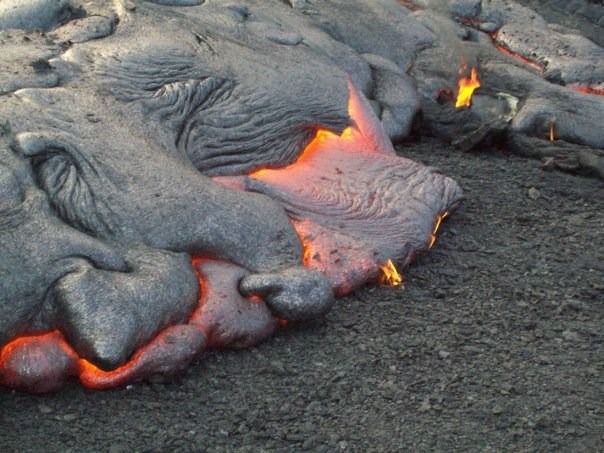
351, 200
465, 89
587, 89
390, 276
348, 198
322, 137
37, 363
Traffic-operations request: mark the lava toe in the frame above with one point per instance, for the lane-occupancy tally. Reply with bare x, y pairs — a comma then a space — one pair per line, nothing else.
295, 294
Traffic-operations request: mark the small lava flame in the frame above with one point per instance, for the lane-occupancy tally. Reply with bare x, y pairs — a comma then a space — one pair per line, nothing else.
466, 87
390, 276
552, 134
439, 221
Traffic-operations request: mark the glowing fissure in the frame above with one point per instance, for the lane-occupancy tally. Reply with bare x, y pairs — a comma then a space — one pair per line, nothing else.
552, 133
437, 224
41, 363
503, 49
587, 89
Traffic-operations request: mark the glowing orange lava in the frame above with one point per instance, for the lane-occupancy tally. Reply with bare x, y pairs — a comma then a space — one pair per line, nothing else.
525, 60
346, 263
466, 88
41, 363
33, 345
322, 136
587, 89
97, 378
390, 276
37, 363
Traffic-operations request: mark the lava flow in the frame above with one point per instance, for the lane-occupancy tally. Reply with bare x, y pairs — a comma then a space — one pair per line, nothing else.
466, 87
437, 224
42, 363
352, 200
552, 132
409, 5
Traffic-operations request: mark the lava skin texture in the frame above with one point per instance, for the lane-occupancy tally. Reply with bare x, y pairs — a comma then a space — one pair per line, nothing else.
184, 175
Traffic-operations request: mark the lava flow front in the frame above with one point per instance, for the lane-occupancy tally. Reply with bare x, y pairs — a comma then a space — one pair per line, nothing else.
223, 319
355, 205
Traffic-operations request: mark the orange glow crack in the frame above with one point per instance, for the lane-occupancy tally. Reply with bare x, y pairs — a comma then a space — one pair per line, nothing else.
409, 5
503, 49
587, 89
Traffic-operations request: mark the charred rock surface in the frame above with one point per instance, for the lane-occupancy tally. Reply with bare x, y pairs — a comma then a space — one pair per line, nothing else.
141, 136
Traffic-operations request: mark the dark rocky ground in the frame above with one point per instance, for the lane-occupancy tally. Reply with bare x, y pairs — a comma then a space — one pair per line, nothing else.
496, 344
